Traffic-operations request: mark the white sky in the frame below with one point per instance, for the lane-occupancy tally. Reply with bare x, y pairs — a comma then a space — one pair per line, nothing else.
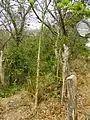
34, 23
83, 30
88, 44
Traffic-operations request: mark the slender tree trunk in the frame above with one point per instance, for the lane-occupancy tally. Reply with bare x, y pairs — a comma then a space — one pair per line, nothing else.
38, 67
1, 69
65, 56
38, 60
57, 54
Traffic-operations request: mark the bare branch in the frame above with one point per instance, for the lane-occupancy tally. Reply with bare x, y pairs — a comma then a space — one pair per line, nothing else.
23, 19
54, 32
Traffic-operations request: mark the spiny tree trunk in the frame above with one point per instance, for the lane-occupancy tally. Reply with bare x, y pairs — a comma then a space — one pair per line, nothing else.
65, 56
1, 69
38, 58
38, 68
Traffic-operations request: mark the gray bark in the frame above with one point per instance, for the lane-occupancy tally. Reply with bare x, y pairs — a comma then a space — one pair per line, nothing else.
65, 56
72, 97
57, 54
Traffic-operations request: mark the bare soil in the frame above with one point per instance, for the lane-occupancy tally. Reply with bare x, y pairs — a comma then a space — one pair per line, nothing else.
20, 106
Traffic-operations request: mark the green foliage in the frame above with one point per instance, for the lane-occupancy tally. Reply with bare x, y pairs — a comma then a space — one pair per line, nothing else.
62, 3
77, 7
47, 54
87, 12
20, 61
16, 66
8, 91
70, 6
77, 45
31, 1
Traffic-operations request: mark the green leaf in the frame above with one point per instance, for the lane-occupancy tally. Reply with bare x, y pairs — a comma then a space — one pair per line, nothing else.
70, 6
78, 6
60, 4
86, 12
31, 1
65, 2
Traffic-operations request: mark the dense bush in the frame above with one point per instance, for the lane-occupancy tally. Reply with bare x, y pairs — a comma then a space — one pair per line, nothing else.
19, 61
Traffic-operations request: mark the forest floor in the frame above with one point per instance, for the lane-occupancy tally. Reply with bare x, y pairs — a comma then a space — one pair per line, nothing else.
20, 106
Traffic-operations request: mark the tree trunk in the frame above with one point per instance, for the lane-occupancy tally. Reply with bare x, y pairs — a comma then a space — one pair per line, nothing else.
38, 60
37, 78
57, 52
1, 69
65, 56
72, 97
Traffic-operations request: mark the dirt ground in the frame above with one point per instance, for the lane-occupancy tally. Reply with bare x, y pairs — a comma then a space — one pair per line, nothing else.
20, 106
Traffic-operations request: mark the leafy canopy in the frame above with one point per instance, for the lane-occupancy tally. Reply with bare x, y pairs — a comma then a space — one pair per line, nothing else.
77, 7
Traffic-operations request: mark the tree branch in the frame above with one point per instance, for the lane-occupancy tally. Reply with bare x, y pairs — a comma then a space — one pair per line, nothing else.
54, 32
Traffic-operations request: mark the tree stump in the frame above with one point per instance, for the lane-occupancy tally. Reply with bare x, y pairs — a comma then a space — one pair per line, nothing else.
72, 97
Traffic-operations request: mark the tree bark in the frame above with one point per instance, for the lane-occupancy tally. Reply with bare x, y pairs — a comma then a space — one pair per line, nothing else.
1, 69
37, 77
38, 59
72, 97
65, 56
57, 52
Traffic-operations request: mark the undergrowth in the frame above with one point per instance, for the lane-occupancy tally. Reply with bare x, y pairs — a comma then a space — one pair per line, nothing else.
8, 91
